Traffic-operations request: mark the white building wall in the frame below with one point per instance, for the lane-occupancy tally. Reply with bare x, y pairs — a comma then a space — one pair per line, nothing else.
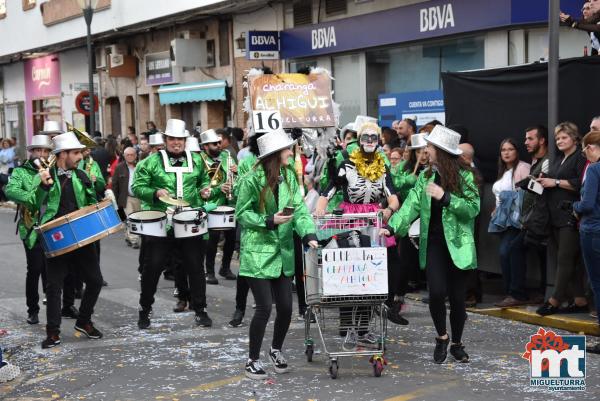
121, 13
14, 82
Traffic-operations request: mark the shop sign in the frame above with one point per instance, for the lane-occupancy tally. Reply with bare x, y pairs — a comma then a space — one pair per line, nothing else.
423, 107
303, 100
262, 45
355, 271
159, 69
42, 81
419, 21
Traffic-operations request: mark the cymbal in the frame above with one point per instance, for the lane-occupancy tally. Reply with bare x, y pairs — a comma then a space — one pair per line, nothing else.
172, 201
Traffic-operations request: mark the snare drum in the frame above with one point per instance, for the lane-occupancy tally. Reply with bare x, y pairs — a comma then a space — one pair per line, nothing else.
414, 232
189, 223
148, 222
79, 228
172, 210
221, 218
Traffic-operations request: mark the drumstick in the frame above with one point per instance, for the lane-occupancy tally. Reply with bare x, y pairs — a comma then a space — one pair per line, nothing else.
416, 167
41, 168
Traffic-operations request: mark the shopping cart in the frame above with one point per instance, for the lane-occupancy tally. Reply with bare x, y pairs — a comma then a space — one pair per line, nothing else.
345, 292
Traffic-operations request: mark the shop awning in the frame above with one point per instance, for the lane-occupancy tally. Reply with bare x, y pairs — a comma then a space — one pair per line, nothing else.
194, 92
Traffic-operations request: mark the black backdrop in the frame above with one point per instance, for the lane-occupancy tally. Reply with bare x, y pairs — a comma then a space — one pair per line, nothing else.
499, 103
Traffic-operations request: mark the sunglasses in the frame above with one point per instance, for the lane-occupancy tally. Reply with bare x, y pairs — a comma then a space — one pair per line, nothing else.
369, 137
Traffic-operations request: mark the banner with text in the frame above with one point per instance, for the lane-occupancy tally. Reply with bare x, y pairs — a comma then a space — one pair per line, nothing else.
304, 101
355, 271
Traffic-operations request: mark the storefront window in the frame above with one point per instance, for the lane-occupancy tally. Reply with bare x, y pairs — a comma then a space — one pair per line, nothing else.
418, 67
296, 66
44, 110
346, 86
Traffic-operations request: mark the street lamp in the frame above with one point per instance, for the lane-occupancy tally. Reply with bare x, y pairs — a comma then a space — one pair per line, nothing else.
88, 7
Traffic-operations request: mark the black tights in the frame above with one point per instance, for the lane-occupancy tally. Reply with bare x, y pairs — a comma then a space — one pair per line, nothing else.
445, 279
264, 291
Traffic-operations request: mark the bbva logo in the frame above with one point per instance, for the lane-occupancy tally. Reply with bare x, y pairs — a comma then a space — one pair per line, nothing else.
323, 37
434, 18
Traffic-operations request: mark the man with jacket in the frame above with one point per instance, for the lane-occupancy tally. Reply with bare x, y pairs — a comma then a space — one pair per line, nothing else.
23, 181
121, 186
172, 172
64, 189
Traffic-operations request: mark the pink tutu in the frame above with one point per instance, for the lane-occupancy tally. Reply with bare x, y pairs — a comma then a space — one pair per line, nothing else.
348, 207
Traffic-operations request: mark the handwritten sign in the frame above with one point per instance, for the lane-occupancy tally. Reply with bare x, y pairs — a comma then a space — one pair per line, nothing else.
355, 271
304, 101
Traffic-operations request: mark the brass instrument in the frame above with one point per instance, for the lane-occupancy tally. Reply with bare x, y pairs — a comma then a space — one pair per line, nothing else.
214, 171
84, 138
230, 176
88, 166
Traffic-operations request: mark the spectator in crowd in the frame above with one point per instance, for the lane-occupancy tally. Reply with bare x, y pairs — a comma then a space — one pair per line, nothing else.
395, 125
389, 138
427, 128
7, 163
151, 127
396, 156
101, 156
227, 143
406, 128
595, 124
144, 148
312, 195
133, 139
589, 23
512, 250
588, 210
562, 186
112, 147
387, 150
238, 137
121, 186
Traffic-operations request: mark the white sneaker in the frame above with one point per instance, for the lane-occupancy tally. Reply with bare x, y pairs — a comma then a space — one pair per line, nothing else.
278, 361
255, 370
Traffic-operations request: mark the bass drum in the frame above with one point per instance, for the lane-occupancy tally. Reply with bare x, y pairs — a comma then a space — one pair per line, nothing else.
189, 223
221, 218
148, 222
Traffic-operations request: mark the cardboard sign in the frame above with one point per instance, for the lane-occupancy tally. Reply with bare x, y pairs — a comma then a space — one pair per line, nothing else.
355, 271
304, 101
265, 121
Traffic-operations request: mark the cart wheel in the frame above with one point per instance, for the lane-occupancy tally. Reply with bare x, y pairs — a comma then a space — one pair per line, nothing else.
333, 369
377, 368
310, 349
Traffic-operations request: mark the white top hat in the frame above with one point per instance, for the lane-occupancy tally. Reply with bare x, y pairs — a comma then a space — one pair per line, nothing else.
51, 128
346, 128
360, 120
40, 141
417, 141
176, 128
445, 139
66, 141
156, 139
209, 136
273, 141
191, 144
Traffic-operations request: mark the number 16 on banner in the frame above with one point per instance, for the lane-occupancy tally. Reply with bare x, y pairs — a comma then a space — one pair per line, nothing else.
266, 120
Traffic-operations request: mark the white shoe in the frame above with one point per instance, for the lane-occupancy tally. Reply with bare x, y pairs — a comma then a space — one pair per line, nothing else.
278, 361
254, 370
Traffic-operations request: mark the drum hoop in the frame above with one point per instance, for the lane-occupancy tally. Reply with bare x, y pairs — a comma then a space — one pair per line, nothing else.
201, 216
155, 220
85, 242
77, 214
221, 213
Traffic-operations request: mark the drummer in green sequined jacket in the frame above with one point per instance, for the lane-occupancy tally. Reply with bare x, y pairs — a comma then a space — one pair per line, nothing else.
404, 174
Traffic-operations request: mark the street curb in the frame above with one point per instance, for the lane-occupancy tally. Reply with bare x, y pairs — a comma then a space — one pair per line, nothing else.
558, 322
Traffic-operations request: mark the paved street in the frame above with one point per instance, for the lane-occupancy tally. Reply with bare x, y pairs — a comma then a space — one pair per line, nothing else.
174, 360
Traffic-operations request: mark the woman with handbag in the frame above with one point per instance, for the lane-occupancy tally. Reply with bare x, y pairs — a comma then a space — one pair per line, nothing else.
269, 208
513, 258
446, 198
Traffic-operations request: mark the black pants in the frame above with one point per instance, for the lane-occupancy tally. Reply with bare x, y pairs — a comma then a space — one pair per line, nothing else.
264, 292
36, 267
141, 256
211, 250
409, 265
156, 255
445, 279
299, 273
241, 293
85, 262
395, 279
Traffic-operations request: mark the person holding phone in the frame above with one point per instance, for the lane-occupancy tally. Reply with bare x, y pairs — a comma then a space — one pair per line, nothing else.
269, 208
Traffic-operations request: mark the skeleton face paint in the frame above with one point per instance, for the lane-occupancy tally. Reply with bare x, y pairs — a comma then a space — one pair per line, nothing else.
368, 141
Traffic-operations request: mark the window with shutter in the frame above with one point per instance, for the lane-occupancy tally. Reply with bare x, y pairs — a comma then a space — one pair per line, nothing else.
335, 7
303, 12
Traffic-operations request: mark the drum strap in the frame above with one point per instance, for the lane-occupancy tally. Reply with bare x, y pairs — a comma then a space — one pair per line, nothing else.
179, 171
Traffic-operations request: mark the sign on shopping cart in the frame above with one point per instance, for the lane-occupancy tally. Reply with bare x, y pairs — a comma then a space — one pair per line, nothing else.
354, 271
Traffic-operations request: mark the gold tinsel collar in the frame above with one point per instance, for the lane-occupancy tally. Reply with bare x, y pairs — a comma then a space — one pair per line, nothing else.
373, 170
